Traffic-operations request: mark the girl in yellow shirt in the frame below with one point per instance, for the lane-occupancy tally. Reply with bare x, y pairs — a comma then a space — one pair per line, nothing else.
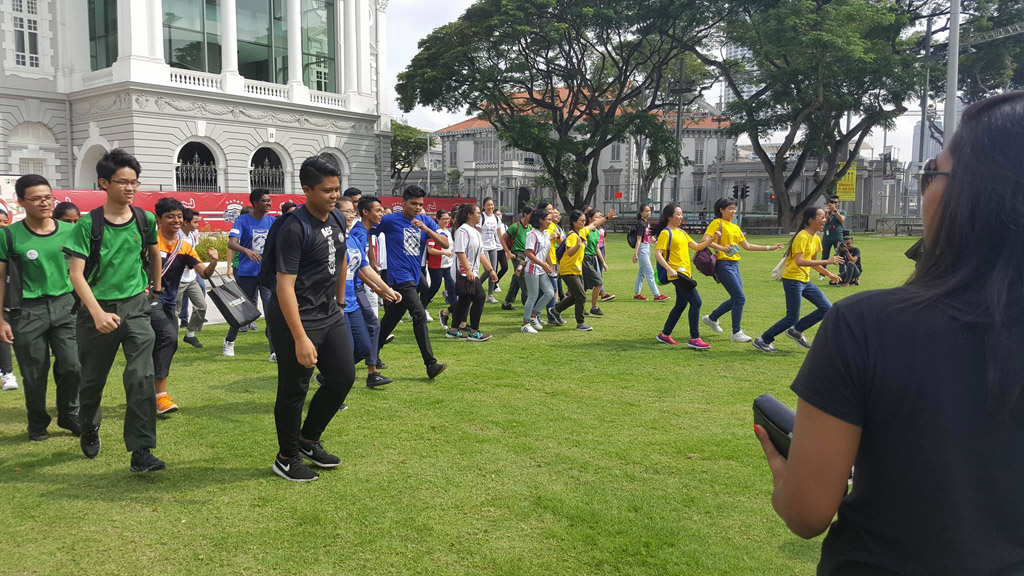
673, 254
796, 281
727, 270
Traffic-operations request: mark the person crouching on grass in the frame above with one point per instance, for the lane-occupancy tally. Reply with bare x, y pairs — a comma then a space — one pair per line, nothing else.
307, 323
177, 255
673, 254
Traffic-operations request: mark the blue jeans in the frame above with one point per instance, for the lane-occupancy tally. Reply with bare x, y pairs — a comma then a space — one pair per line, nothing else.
646, 270
795, 290
728, 272
684, 296
541, 294
251, 287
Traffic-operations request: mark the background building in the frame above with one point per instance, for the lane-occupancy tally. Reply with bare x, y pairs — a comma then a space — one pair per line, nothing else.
210, 95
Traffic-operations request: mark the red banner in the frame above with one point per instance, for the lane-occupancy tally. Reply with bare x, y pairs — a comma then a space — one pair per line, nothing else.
218, 211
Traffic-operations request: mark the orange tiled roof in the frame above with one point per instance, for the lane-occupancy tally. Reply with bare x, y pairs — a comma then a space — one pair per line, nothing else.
470, 124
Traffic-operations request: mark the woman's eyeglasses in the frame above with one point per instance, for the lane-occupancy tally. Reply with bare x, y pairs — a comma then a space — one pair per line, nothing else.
929, 173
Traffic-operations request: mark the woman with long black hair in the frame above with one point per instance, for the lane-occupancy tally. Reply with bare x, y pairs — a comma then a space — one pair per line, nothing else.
727, 269
673, 254
490, 232
642, 255
801, 256
920, 386
469, 256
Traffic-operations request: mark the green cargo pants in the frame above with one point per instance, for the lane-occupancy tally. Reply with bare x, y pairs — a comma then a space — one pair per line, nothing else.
42, 325
96, 352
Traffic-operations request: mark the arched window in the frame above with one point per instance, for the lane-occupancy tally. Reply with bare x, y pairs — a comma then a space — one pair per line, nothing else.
196, 169
267, 171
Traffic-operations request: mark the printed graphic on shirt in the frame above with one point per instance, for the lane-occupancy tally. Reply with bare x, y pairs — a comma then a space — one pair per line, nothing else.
259, 238
355, 261
332, 264
411, 238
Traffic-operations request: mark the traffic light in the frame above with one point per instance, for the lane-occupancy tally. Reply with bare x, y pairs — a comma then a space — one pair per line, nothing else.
772, 199
736, 191
745, 192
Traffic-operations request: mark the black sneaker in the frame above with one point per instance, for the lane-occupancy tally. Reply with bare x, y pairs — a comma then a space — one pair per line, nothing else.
193, 341
38, 435
381, 366
444, 318
375, 379
71, 424
91, 443
763, 346
315, 453
798, 337
434, 369
596, 311
293, 469
389, 338
144, 461
506, 306
184, 324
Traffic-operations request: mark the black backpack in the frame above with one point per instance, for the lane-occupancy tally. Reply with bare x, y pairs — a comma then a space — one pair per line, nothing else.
267, 277
12, 292
92, 261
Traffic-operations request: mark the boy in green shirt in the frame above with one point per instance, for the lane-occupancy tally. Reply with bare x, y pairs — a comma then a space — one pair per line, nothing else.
42, 321
115, 310
514, 243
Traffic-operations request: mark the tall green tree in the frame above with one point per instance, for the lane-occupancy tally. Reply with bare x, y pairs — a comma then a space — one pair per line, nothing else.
813, 62
989, 67
406, 150
560, 78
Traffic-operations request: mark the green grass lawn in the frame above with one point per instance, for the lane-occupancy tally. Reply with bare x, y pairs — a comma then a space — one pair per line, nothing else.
557, 453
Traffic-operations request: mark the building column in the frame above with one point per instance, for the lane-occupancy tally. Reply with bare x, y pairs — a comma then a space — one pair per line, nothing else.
297, 91
363, 46
139, 25
383, 95
233, 82
351, 40
74, 44
156, 29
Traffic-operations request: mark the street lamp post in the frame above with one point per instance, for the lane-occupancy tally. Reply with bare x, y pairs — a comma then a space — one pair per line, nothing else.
952, 69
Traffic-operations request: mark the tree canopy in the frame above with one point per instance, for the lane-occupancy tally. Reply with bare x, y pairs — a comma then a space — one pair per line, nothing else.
560, 78
406, 149
812, 63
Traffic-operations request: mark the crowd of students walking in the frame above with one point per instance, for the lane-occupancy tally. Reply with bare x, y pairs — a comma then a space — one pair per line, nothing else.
84, 285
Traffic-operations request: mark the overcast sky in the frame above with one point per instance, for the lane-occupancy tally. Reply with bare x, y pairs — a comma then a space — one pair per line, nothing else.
411, 20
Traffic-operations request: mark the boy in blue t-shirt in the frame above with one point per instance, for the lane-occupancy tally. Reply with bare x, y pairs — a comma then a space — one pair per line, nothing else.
247, 236
406, 235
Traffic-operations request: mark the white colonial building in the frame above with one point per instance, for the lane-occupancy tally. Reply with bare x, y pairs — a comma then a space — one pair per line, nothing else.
492, 168
210, 95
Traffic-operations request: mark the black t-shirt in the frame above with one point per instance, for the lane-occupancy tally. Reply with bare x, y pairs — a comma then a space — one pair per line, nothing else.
939, 484
317, 269
855, 252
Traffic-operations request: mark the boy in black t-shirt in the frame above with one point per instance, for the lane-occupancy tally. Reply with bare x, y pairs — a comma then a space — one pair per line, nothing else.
307, 324
852, 267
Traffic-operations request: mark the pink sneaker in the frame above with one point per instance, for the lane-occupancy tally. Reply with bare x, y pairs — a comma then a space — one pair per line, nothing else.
667, 339
698, 344
639, 297
660, 298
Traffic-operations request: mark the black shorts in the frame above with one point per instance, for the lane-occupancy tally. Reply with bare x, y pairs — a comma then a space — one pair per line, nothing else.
592, 276
165, 327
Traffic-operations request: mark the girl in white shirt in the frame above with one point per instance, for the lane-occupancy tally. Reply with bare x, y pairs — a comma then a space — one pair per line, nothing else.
489, 227
469, 256
540, 292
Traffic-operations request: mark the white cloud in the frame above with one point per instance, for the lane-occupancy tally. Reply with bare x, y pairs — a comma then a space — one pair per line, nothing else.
409, 21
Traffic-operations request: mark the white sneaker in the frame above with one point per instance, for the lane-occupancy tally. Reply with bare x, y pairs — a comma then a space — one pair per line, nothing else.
10, 381
741, 337
491, 300
229, 349
528, 329
711, 324
273, 357
497, 288
535, 323
429, 317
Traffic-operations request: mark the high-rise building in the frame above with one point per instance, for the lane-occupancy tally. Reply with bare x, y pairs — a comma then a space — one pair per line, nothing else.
734, 52
210, 95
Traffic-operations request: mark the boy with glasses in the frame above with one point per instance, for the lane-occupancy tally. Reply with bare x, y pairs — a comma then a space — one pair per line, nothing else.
109, 274
43, 320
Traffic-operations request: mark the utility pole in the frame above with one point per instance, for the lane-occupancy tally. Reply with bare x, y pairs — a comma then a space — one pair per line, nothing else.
923, 140
952, 70
679, 132
428, 163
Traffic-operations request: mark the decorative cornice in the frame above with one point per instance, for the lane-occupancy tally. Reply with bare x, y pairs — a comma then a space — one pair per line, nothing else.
382, 5
193, 108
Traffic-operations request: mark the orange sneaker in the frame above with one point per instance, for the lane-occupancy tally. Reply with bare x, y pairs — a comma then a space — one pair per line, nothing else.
164, 404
